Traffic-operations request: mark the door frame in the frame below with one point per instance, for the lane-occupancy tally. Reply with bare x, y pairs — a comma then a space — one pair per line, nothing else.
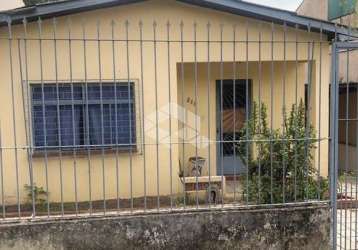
247, 82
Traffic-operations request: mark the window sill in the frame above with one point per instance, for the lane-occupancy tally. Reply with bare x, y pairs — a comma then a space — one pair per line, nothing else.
81, 152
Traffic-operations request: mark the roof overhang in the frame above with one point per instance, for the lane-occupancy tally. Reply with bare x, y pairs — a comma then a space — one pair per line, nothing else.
274, 15
55, 9
236, 7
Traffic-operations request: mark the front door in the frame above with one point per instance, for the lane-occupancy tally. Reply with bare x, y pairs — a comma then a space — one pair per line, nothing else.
231, 115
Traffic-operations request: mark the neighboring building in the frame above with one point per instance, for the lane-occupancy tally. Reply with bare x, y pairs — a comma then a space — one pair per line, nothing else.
314, 8
320, 9
347, 69
140, 67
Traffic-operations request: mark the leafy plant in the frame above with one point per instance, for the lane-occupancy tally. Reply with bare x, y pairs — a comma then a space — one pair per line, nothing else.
40, 194
280, 161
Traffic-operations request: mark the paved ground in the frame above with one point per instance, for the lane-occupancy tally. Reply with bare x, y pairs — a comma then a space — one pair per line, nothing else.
349, 187
347, 217
347, 229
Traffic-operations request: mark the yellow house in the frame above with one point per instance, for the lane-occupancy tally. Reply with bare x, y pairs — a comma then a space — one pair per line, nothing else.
109, 99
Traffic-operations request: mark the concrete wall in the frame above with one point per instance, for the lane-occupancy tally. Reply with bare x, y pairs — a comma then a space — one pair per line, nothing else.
148, 11
291, 227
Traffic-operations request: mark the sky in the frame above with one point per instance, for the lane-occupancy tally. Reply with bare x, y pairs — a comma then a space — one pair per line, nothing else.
283, 4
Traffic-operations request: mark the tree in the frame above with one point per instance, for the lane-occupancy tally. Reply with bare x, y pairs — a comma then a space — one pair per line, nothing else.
34, 2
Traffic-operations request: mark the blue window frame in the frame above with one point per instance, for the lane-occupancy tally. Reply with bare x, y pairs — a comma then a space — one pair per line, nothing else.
88, 116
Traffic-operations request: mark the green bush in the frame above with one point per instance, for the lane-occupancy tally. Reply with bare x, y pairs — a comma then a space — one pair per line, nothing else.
280, 161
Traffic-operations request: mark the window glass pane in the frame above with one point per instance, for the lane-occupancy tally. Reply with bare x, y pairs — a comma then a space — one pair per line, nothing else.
51, 128
50, 91
95, 129
71, 125
125, 124
104, 123
38, 128
36, 93
66, 94
109, 90
93, 91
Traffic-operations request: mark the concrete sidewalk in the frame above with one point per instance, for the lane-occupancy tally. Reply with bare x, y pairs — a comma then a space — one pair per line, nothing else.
347, 228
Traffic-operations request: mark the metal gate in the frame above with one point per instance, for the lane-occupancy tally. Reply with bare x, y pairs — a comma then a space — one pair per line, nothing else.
344, 149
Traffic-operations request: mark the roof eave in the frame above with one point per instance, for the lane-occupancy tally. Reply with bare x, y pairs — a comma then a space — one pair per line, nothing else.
274, 15
231, 6
57, 9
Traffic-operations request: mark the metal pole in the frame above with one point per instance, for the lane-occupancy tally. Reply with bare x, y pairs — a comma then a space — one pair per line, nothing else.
260, 112
247, 105
272, 110
284, 111
75, 144
319, 113
130, 116
196, 115
183, 104
296, 109
113, 24
24, 111
221, 113
102, 119
334, 144
27, 124
234, 104
170, 119
87, 139
308, 128
59, 136
346, 123
156, 109
43, 113
143, 115
14, 118
209, 111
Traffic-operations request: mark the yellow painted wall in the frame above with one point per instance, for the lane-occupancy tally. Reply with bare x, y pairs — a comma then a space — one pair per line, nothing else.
258, 77
147, 12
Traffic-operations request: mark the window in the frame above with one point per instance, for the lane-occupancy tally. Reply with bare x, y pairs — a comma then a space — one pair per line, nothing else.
69, 116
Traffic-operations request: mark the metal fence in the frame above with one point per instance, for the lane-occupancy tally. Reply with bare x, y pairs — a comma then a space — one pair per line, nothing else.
345, 152
120, 117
